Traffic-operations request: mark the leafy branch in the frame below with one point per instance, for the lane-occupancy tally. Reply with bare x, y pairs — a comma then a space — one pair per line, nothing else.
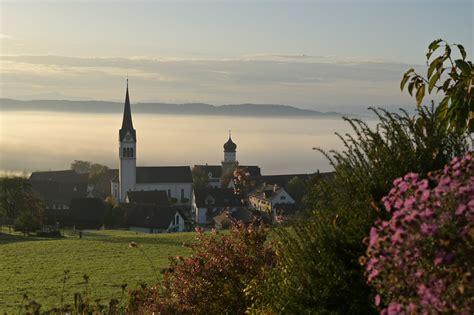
453, 77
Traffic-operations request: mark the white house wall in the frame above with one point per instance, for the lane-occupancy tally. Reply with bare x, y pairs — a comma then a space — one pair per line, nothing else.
282, 197
179, 226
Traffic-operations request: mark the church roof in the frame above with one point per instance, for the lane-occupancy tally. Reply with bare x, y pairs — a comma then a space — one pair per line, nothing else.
164, 174
230, 146
127, 124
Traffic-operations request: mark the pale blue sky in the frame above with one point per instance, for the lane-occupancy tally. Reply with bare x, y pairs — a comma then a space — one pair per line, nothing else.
271, 34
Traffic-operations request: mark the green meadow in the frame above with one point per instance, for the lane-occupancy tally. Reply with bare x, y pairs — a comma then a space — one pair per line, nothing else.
35, 266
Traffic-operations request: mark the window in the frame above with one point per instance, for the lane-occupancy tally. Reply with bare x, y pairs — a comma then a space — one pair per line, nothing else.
124, 152
169, 192
131, 152
177, 220
182, 193
282, 198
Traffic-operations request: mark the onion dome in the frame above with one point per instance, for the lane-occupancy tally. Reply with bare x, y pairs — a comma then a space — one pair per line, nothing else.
230, 146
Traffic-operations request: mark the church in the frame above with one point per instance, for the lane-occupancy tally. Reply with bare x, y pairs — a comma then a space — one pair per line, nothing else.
176, 181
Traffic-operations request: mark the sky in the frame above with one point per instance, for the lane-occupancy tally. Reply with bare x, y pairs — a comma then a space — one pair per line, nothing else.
325, 55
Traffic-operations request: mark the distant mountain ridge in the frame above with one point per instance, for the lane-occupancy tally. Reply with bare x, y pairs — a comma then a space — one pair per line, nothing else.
261, 110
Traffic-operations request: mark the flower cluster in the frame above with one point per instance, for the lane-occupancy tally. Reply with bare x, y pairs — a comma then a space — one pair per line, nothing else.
420, 259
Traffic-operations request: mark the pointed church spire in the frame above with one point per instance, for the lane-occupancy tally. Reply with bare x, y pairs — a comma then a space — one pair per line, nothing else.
127, 124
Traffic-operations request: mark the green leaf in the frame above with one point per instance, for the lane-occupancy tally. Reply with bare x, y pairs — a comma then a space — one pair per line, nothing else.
443, 107
446, 84
410, 87
462, 51
464, 66
434, 44
433, 65
420, 93
408, 71
404, 81
447, 51
433, 81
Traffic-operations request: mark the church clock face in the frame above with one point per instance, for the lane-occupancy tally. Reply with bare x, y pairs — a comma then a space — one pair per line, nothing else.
128, 138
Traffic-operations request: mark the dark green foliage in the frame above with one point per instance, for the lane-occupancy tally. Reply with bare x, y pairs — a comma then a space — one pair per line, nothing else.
115, 215
200, 178
296, 188
19, 206
453, 77
96, 171
319, 271
81, 167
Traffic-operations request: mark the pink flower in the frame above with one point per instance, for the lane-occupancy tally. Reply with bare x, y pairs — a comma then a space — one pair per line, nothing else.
373, 237
397, 237
425, 195
411, 308
377, 299
394, 308
408, 203
373, 274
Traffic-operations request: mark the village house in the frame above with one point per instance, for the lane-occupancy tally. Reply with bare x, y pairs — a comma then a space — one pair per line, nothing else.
268, 197
210, 202
152, 218
56, 189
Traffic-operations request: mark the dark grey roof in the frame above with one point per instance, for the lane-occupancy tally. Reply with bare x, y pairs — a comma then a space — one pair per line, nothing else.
223, 197
215, 170
65, 176
127, 124
265, 191
52, 192
230, 146
152, 216
164, 174
157, 197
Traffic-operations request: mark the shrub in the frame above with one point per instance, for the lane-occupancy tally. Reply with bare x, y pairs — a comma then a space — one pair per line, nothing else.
215, 278
319, 269
420, 260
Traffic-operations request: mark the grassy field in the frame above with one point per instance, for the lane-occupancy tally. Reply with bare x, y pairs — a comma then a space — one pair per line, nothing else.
35, 266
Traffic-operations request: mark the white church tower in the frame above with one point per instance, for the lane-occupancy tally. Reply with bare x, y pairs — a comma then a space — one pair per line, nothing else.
229, 155
127, 152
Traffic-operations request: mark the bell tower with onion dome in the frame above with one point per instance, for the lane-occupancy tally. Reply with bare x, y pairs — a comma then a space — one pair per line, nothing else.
127, 152
229, 155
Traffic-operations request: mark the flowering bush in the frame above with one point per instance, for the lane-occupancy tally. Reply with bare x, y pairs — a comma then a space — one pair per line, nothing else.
215, 278
421, 259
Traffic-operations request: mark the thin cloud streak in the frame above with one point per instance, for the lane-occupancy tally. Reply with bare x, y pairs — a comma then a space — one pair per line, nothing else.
302, 80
